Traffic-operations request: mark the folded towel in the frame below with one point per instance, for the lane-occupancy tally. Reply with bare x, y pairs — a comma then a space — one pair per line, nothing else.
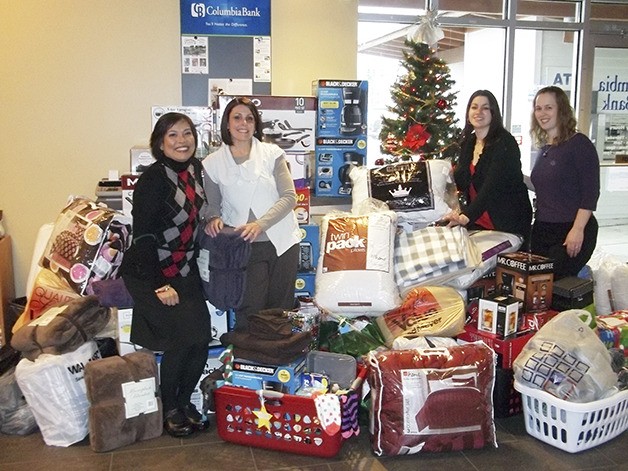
271, 324
222, 265
283, 351
62, 329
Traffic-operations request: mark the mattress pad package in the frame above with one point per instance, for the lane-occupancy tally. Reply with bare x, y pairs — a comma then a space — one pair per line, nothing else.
425, 311
432, 399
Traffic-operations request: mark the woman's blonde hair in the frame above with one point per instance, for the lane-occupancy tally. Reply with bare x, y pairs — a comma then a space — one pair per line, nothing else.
566, 122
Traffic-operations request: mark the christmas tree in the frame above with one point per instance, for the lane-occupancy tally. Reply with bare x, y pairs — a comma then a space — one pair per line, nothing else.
425, 125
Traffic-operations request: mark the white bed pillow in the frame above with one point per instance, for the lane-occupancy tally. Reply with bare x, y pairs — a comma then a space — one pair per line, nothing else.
355, 275
438, 177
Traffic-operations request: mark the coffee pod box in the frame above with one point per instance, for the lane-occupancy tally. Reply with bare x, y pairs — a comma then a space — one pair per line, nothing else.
499, 314
527, 277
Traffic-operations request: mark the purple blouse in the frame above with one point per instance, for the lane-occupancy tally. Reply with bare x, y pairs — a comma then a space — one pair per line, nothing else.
566, 177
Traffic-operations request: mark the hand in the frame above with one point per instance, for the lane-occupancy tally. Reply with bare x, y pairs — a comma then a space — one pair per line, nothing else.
213, 227
455, 219
168, 297
573, 242
250, 231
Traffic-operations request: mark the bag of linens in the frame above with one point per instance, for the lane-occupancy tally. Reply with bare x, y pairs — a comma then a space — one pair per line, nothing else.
432, 399
568, 360
54, 388
419, 192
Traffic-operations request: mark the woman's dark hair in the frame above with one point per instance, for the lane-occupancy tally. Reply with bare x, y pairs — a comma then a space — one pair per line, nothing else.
163, 124
496, 127
224, 124
565, 120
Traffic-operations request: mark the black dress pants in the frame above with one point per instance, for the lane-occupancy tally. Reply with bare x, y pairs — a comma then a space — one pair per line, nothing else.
269, 281
548, 239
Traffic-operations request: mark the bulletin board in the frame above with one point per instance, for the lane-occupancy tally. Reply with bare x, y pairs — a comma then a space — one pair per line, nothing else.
227, 39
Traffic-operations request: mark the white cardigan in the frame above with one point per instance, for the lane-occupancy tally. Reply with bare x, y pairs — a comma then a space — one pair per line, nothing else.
251, 186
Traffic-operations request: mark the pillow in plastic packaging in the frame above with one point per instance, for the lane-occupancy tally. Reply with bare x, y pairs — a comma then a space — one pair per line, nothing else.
355, 274
417, 191
425, 311
489, 244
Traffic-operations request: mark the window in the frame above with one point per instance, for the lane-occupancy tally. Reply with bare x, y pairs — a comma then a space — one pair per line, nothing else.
511, 50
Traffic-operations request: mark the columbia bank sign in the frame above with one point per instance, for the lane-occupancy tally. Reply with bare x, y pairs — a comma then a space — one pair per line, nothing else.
231, 18
200, 10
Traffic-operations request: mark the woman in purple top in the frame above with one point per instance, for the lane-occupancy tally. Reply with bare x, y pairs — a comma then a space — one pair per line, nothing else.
566, 179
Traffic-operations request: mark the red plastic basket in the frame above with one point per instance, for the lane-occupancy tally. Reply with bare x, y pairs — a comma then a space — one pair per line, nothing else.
295, 427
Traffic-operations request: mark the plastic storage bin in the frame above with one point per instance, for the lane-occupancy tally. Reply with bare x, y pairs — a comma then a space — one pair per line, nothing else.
570, 426
295, 427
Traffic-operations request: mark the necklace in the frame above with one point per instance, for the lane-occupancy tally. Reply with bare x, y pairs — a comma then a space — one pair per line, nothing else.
477, 151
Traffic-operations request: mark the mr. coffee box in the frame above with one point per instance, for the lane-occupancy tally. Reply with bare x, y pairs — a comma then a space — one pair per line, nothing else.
499, 314
527, 277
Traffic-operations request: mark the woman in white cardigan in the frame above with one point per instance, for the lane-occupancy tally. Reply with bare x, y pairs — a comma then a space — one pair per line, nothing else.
251, 189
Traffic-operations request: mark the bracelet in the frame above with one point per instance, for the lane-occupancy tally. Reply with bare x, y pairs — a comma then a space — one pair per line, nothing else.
163, 289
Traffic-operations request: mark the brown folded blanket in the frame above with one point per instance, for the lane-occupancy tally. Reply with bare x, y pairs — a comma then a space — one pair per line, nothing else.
271, 324
109, 427
279, 352
62, 329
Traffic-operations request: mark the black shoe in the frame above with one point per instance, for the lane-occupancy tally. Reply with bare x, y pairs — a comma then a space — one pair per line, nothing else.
195, 418
177, 424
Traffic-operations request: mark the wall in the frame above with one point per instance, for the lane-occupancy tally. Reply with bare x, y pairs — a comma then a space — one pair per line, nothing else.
79, 77
312, 40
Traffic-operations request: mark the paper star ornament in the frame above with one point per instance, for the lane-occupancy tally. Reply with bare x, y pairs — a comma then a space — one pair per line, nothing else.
263, 417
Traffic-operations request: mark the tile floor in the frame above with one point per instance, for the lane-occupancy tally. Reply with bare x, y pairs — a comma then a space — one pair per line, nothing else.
516, 450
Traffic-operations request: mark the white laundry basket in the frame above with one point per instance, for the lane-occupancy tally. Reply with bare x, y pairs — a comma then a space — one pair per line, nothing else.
571, 426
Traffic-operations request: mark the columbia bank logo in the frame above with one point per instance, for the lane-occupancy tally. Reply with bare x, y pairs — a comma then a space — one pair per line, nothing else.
200, 10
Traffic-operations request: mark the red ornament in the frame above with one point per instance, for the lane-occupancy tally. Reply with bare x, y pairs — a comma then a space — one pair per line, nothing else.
442, 104
379, 162
416, 137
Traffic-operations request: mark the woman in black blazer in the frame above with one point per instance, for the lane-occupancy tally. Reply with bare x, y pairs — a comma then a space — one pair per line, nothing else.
488, 173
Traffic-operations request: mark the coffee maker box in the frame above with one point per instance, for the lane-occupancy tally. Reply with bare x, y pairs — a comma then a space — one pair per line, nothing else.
499, 314
341, 107
141, 159
528, 277
128, 182
341, 133
334, 158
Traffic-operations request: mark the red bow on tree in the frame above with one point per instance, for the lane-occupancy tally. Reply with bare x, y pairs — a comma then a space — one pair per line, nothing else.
416, 137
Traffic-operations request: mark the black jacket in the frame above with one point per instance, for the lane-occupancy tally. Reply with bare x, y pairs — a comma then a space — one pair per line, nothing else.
499, 184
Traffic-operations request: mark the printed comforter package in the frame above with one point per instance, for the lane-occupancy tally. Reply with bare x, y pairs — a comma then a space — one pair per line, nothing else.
87, 244
431, 400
